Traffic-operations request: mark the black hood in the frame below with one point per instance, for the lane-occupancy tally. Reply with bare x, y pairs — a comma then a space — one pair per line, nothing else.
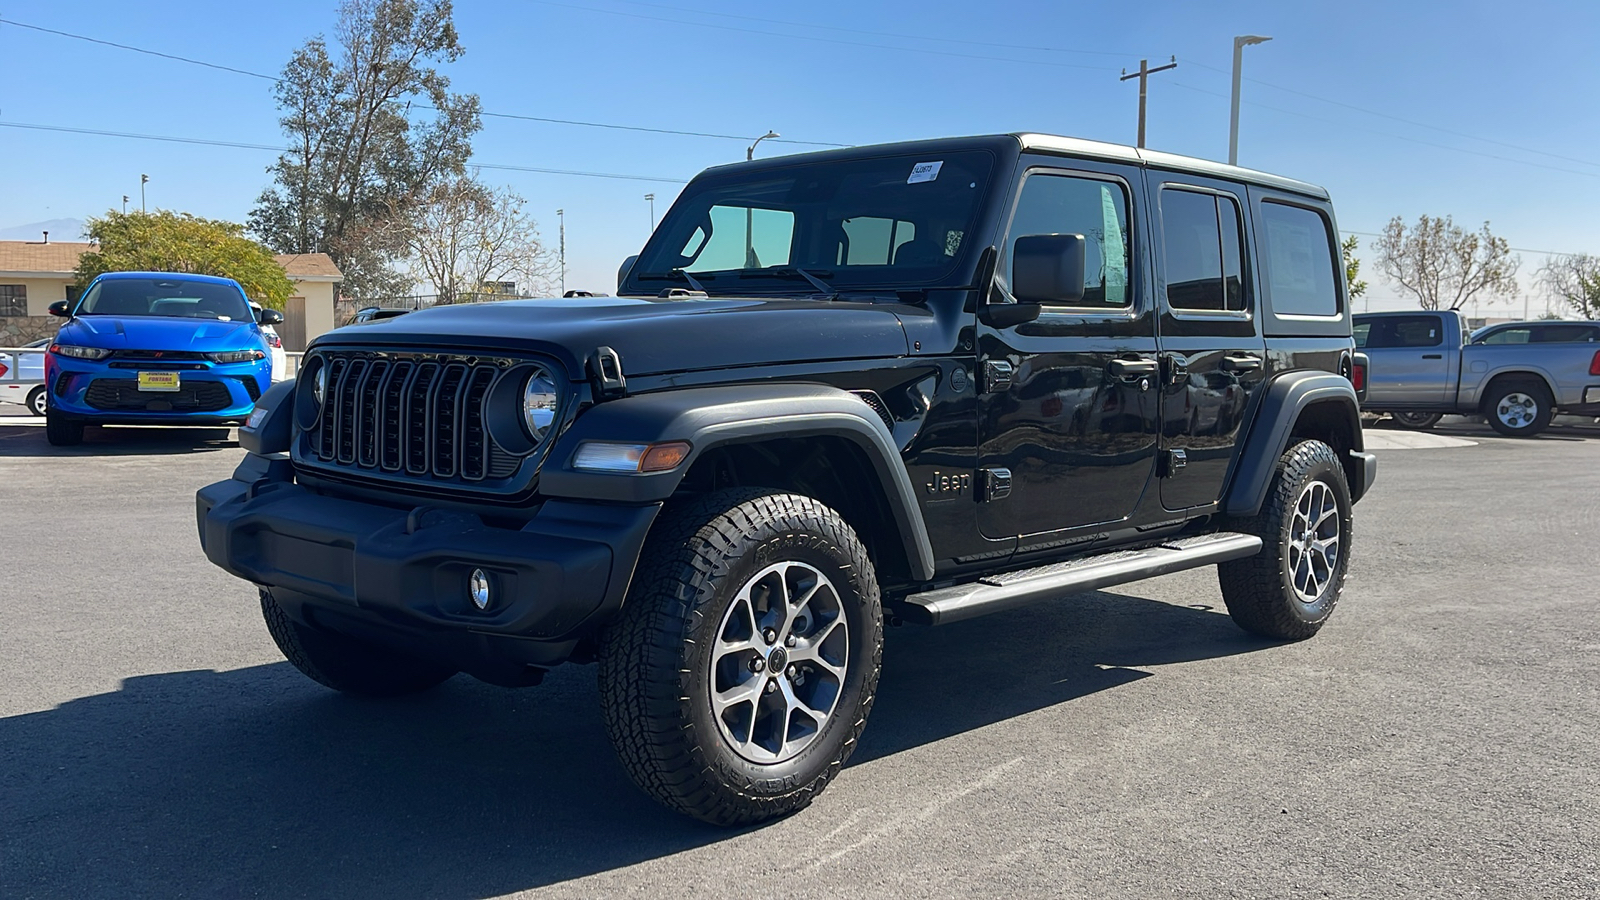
651, 336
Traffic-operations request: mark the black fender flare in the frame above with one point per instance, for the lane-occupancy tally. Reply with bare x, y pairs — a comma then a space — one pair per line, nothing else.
709, 417
1283, 401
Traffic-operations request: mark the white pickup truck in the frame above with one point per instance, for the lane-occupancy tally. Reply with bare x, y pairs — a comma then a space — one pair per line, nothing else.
1518, 375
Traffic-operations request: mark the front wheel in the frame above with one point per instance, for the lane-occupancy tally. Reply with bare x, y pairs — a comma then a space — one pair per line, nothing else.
1519, 407
1416, 421
1288, 590
739, 674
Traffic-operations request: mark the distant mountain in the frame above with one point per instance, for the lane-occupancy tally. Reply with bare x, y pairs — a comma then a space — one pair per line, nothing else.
60, 230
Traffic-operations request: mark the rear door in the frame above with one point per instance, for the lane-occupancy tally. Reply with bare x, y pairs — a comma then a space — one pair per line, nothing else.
1068, 414
1213, 355
1411, 362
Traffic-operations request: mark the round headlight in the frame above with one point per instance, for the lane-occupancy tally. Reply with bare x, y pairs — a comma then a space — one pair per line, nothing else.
539, 399
319, 388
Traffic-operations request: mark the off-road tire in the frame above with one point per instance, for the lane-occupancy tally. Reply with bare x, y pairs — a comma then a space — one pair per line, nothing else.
1260, 591
61, 431
656, 659
36, 401
1529, 387
346, 664
1414, 421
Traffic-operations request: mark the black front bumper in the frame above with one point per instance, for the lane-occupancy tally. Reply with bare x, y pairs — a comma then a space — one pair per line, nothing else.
400, 576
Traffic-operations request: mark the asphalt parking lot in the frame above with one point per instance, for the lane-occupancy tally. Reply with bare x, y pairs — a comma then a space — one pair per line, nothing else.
1437, 739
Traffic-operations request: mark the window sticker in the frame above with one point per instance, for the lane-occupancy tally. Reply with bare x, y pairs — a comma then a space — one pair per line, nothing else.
924, 171
1115, 255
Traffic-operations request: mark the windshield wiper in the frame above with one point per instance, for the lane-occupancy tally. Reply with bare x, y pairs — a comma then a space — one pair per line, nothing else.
792, 272
674, 273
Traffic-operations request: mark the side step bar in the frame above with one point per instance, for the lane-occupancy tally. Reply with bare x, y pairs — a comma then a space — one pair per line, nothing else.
993, 593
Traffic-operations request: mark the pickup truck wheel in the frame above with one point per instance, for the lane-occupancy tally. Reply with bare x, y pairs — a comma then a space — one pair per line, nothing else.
346, 664
738, 676
61, 431
36, 401
1416, 421
1519, 407
1288, 590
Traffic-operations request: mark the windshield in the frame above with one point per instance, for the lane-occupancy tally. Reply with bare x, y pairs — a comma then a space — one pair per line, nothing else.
852, 223
164, 297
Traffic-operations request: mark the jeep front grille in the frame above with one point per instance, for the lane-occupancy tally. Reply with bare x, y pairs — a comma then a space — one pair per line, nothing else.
421, 418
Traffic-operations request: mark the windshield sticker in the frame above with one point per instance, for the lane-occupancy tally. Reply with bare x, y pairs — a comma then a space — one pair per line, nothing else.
927, 171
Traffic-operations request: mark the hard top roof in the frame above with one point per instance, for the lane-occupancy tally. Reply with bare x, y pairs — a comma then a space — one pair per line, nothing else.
1054, 145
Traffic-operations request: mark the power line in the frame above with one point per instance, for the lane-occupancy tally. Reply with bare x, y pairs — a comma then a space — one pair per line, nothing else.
1394, 118
498, 115
278, 149
825, 40
1517, 249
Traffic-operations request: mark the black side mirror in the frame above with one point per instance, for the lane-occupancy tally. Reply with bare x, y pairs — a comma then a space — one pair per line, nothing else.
1048, 268
59, 309
270, 317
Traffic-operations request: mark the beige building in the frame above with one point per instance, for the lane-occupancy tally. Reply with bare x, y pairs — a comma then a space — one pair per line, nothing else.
35, 274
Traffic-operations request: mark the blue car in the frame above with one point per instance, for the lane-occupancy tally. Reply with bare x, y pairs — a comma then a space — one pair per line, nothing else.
155, 348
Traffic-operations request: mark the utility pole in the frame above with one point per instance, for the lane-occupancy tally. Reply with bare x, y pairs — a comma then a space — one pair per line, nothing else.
561, 216
652, 199
1239, 43
1143, 75
143, 180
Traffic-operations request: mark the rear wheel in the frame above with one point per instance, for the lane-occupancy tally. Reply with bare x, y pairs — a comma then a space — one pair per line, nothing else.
346, 664
62, 431
1416, 421
1519, 407
739, 674
1288, 590
36, 401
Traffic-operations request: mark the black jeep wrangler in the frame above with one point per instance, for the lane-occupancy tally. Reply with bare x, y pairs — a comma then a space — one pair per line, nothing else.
917, 382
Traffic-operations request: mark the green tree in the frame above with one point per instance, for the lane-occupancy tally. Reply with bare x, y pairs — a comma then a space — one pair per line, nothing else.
1574, 279
165, 241
1352, 266
360, 153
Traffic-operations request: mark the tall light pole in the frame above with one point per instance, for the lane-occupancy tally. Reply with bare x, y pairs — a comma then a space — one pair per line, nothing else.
1239, 43
124, 204
561, 216
750, 261
143, 180
1143, 75
652, 199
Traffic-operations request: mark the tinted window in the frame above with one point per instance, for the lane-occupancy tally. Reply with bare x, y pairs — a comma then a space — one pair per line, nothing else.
853, 222
1563, 334
165, 297
1301, 276
1098, 210
1399, 331
1204, 262
1508, 336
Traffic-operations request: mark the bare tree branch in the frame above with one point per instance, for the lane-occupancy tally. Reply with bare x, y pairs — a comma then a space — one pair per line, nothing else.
1438, 262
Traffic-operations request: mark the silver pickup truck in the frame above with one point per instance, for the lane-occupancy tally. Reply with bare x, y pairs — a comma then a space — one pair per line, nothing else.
1518, 375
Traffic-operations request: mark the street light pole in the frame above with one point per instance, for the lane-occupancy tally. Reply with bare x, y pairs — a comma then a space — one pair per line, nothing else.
124, 204
143, 180
1143, 75
561, 216
750, 261
652, 199
1239, 43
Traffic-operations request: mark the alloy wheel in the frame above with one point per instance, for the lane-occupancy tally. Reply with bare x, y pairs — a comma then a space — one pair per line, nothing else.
1517, 410
1314, 541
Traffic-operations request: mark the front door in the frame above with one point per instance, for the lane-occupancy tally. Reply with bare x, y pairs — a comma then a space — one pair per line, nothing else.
1213, 355
1068, 411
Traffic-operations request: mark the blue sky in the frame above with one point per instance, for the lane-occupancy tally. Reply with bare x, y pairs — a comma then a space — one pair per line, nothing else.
1508, 91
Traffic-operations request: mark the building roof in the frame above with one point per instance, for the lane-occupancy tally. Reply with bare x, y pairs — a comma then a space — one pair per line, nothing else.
39, 258
59, 258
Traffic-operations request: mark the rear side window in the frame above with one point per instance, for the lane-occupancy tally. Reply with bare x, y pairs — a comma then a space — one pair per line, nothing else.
1563, 334
1399, 331
1301, 276
1203, 252
1509, 336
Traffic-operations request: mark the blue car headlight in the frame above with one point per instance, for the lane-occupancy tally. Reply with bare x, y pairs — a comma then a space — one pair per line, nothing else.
77, 352
236, 356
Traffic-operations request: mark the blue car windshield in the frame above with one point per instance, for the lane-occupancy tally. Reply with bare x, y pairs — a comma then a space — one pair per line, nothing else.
178, 298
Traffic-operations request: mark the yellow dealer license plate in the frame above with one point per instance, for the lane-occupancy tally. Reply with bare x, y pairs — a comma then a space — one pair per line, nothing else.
158, 381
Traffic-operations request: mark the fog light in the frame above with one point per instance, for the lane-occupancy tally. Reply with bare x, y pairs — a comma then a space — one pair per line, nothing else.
478, 588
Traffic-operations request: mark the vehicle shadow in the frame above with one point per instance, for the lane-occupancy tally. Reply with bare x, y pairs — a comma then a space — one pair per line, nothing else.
256, 781
113, 440
1563, 428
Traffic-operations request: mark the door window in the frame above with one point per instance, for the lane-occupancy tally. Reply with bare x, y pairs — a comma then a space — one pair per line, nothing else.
1509, 336
1301, 276
1203, 254
1098, 210
1399, 331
